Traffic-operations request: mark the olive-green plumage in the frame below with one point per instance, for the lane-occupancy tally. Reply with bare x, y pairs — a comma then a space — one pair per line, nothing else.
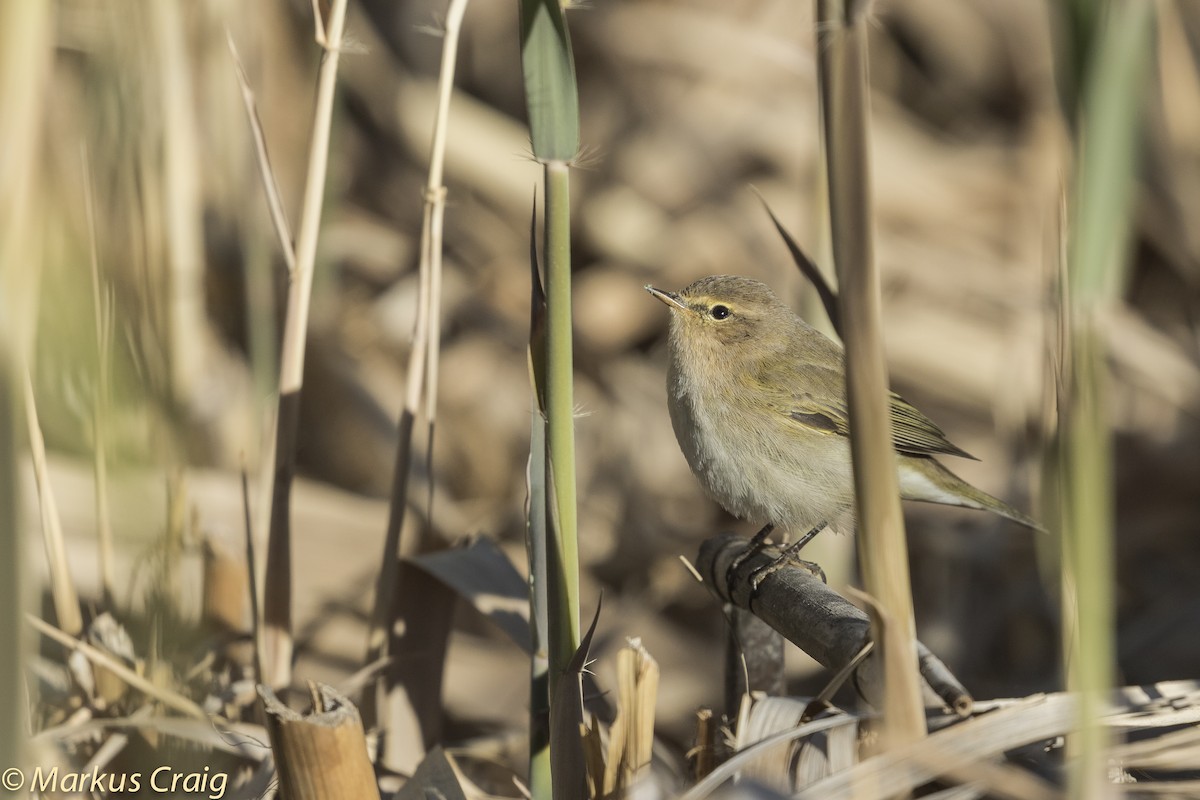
758, 402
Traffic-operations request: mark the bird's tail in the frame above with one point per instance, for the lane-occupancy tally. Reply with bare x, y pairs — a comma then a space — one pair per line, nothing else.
926, 480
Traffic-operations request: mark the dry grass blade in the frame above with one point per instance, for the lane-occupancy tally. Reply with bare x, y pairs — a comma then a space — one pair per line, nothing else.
97, 656
266, 173
482, 575
728, 769
951, 751
808, 268
62, 588
435, 777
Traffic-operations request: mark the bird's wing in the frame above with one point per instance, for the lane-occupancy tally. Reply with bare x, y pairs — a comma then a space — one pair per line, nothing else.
824, 409
915, 434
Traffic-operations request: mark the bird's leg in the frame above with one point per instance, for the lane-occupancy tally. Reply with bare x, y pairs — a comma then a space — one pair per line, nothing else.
787, 556
757, 542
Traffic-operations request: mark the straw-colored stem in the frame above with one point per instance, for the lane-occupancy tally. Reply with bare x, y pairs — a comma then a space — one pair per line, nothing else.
300, 291
421, 376
277, 607
435, 202
321, 755
883, 552
62, 589
182, 162
103, 319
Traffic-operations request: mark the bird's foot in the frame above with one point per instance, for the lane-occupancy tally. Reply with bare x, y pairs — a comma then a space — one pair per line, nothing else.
757, 543
787, 557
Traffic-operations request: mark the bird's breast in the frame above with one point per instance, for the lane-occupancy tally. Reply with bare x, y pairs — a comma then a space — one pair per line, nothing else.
750, 459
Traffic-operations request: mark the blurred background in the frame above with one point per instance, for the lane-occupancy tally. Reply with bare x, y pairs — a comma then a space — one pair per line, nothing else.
687, 105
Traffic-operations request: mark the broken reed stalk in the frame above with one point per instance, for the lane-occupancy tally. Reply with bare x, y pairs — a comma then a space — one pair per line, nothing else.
631, 737
62, 589
322, 755
703, 754
277, 589
420, 381
1113, 63
883, 552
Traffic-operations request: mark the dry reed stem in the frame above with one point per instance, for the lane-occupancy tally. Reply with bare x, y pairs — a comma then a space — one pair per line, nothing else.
277, 606
103, 311
883, 551
322, 755
66, 600
434, 216
167, 697
421, 378
183, 202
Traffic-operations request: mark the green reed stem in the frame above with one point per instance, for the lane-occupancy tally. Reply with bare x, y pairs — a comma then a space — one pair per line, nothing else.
1097, 260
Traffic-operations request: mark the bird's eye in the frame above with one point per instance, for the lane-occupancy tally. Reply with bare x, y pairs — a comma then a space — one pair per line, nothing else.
719, 312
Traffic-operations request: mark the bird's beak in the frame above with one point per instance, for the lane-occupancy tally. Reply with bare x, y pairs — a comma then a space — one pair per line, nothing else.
669, 298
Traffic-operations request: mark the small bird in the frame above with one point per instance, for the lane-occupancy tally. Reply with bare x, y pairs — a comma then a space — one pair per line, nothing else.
758, 403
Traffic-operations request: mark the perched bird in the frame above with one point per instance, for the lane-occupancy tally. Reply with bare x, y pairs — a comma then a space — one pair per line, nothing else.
758, 403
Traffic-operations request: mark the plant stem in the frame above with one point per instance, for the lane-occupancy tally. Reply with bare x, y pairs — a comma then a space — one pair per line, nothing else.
883, 551
277, 604
560, 411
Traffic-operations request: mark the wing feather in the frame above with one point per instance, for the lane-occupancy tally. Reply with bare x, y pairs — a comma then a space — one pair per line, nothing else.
913, 433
